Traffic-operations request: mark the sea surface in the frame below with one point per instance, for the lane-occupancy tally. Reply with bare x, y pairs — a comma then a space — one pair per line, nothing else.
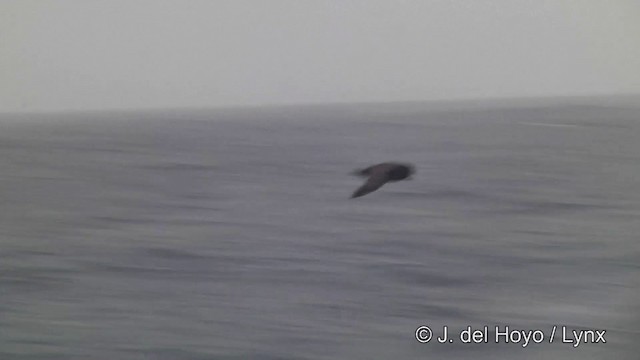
229, 234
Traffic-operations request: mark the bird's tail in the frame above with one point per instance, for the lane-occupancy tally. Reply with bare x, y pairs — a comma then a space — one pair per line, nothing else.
361, 172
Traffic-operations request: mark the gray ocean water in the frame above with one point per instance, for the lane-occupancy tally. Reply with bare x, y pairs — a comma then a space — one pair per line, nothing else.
230, 234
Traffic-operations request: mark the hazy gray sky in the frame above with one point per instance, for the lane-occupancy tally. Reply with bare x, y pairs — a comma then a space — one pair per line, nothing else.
95, 54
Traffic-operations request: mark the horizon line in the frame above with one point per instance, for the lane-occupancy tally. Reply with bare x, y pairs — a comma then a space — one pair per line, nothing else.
478, 101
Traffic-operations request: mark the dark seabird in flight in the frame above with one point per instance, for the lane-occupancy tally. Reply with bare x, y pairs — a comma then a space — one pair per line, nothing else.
380, 174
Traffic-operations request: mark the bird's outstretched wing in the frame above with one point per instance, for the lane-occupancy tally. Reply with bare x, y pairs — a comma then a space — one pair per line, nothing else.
375, 181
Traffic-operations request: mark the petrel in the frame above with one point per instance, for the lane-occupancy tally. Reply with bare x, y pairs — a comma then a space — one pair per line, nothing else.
380, 174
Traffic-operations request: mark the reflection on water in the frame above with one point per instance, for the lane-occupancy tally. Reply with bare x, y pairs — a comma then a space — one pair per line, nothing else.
230, 235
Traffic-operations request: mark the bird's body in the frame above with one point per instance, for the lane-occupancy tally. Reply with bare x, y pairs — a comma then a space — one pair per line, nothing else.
380, 174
